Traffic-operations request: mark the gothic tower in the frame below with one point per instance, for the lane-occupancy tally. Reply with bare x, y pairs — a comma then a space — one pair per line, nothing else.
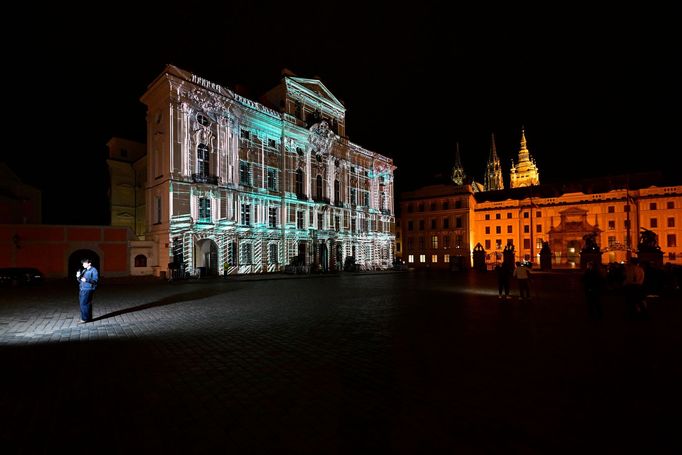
493, 173
526, 172
458, 175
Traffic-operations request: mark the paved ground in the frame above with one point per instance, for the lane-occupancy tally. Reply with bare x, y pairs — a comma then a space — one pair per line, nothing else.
401, 362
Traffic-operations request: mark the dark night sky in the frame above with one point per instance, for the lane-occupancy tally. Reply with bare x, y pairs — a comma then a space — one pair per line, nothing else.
594, 88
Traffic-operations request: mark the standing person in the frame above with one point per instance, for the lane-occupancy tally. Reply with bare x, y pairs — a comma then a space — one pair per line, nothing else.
522, 274
634, 295
87, 282
592, 283
502, 280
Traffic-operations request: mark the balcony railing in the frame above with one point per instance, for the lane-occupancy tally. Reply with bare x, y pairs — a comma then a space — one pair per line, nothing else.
201, 178
324, 200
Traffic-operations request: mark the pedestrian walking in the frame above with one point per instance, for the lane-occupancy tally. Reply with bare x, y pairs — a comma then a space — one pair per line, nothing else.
87, 283
522, 275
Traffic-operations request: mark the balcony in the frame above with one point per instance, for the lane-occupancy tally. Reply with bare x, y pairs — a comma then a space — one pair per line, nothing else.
323, 200
385, 212
202, 178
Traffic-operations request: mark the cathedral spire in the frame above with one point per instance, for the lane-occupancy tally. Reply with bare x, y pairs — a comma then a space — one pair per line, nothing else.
525, 173
493, 172
458, 175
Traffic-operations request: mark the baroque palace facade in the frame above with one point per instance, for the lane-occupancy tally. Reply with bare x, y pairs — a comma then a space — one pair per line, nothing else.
235, 186
442, 222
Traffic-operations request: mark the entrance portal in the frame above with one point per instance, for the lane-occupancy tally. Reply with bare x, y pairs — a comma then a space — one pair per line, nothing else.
206, 257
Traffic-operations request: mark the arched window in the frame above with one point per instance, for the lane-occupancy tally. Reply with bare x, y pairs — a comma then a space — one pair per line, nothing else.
140, 260
299, 183
318, 187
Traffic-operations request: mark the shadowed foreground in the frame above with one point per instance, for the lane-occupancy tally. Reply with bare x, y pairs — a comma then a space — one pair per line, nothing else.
399, 362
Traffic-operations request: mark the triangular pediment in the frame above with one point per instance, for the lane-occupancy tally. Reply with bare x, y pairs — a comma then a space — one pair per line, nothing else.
316, 88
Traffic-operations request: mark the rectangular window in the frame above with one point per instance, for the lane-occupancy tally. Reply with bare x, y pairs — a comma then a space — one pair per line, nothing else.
612, 225
421, 225
509, 215
420, 241
410, 258
247, 255
434, 258
353, 199
498, 244
204, 210
272, 217
487, 229
337, 222
397, 247
670, 205
433, 206
157, 203
526, 244
526, 229
458, 222
446, 223
446, 258
320, 221
653, 223
433, 223
509, 229
299, 219
538, 228
498, 216
498, 229
246, 214
446, 241
671, 222
652, 206
458, 204
434, 242
272, 179
245, 134
422, 258
510, 241
487, 244
525, 214
612, 240
487, 216
627, 224
274, 256
672, 240
611, 209
352, 225
244, 173
410, 225
409, 243
538, 214
446, 205
458, 241
627, 208
272, 143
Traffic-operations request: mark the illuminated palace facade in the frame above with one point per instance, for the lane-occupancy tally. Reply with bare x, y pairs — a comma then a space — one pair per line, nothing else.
238, 186
441, 222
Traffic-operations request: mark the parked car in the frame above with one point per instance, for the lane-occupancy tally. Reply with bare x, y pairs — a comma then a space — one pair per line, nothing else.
20, 276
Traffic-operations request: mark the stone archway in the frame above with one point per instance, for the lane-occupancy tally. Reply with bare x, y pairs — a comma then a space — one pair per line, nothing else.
324, 257
206, 257
75, 258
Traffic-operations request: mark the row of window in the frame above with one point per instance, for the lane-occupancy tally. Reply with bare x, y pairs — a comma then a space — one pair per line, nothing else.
459, 242
526, 244
434, 258
510, 229
498, 216
445, 205
434, 223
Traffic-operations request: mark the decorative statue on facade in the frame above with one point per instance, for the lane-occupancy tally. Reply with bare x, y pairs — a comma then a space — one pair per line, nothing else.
479, 258
648, 249
545, 257
590, 251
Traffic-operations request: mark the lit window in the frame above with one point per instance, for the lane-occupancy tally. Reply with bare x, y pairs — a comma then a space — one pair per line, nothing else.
410, 258
446, 258
434, 258
422, 258
434, 242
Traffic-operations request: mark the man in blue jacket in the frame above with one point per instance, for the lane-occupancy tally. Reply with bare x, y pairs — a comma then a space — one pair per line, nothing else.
87, 281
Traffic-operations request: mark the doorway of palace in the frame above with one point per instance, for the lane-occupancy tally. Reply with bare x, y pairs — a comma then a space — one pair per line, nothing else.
302, 253
573, 251
324, 257
75, 258
206, 257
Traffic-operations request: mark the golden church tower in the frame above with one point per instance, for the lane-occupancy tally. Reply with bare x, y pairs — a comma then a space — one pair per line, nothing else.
525, 173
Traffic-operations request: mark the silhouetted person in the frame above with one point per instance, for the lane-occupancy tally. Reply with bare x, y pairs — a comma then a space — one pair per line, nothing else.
634, 294
592, 283
522, 274
503, 279
87, 283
